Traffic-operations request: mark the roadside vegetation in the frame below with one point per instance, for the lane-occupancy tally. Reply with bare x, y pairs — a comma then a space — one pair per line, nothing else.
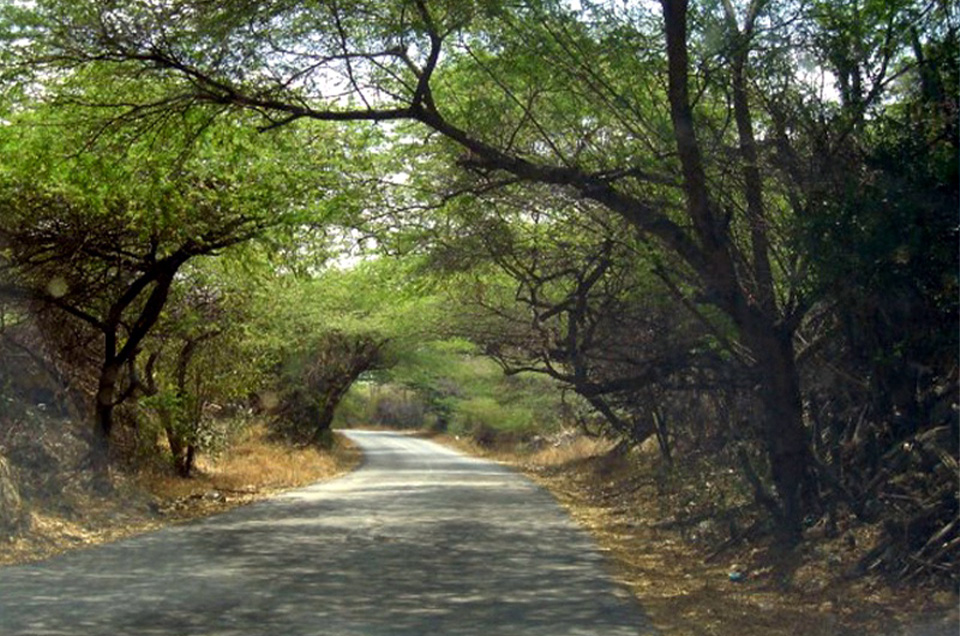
719, 237
61, 511
688, 578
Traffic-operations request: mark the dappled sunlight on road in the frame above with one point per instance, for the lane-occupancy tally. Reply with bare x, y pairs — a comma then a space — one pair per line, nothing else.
418, 541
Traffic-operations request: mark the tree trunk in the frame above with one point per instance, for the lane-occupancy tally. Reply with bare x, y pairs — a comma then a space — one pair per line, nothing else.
174, 441
331, 400
185, 451
783, 427
189, 460
103, 423
322, 435
183, 454
756, 318
12, 514
115, 357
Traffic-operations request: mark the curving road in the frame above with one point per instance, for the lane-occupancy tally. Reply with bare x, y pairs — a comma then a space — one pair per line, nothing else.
420, 540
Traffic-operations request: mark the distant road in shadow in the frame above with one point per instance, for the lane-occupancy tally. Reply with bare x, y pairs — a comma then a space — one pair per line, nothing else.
420, 540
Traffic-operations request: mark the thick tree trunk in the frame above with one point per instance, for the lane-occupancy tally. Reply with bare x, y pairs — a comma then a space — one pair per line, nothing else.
189, 461
328, 407
755, 315
357, 355
322, 434
783, 427
103, 423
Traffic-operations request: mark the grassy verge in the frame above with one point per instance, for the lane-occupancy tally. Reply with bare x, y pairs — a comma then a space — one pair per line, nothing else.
684, 585
255, 467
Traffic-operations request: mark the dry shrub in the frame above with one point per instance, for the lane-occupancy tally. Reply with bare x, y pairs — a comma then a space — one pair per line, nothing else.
570, 451
256, 462
563, 449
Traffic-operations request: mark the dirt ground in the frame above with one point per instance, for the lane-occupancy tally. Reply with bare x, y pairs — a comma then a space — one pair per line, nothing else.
687, 587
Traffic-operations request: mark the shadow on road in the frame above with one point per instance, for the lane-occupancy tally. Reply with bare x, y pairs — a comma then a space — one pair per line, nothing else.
419, 541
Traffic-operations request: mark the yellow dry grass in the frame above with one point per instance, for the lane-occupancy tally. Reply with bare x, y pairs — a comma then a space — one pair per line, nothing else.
615, 497
551, 455
579, 449
255, 464
253, 468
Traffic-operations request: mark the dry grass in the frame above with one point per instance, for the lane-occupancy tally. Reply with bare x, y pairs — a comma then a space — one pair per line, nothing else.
550, 454
253, 468
256, 464
51, 533
578, 450
786, 593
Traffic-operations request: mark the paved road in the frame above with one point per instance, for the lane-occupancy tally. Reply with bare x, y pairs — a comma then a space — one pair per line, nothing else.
419, 541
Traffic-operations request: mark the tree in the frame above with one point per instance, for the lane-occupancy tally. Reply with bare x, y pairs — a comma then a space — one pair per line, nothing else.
565, 290
882, 356
608, 103
315, 380
102, 240
319, 332
195, 359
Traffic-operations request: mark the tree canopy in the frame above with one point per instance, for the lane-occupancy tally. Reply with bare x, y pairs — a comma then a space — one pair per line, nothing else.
706, 203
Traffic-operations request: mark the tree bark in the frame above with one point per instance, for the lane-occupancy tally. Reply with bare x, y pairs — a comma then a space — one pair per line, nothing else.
115, 356
786, 438
771, 344
321, 435
185, 453
103, 423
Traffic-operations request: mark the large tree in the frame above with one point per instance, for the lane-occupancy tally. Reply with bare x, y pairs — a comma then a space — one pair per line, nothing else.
195, 363
567, 290
321, 331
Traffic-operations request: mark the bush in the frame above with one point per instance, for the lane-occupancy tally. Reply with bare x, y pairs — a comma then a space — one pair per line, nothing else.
399, 412
489, 423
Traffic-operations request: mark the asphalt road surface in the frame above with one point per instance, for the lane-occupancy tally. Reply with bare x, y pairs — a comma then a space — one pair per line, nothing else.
419, 541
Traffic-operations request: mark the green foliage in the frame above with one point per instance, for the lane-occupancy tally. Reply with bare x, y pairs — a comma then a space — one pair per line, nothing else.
477, 413
317, 334
886, 253
707, 223
105, 225
194, 368
447, 385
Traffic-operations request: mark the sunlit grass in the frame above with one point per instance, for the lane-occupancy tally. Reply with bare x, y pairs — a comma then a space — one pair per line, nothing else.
255, 463
579, 448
